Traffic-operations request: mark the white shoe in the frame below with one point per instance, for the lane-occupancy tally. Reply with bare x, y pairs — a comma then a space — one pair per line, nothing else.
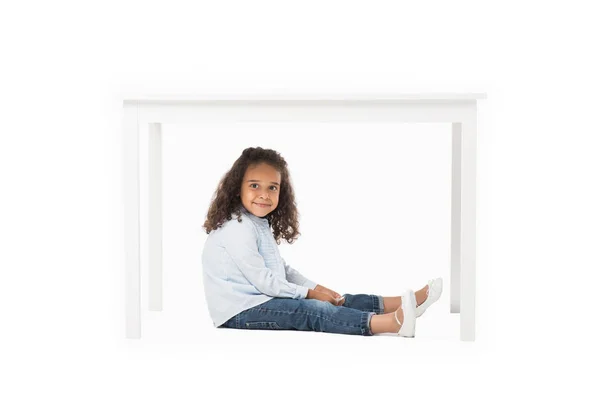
434, 291
409, 308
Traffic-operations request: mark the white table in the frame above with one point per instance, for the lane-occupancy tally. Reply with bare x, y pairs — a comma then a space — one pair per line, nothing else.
146, 114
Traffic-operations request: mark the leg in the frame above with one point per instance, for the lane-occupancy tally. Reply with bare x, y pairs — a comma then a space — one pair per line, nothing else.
155, 218
365, 302
380, 304
455, 220
131, 191
384, 322
467, 253
391, 304
312, 315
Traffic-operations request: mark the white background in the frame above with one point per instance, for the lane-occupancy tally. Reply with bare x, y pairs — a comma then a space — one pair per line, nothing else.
65, 67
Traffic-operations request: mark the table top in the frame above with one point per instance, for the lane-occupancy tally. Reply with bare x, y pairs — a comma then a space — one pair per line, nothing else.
292, 98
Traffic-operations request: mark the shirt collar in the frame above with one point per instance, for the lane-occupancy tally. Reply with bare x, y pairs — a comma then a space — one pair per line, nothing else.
262, 221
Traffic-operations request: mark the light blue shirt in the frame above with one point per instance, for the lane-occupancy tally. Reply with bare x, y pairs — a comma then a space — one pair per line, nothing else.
242, 268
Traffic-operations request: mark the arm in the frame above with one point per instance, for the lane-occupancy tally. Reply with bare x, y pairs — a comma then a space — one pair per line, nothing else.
241, 245
296, 277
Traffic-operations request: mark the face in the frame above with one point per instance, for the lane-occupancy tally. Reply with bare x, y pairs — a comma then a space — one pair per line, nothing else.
261, 185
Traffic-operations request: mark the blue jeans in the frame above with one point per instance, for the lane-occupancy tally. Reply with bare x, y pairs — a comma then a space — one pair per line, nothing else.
352, 318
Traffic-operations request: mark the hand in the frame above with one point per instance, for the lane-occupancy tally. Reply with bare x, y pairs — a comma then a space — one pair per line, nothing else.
317, 295
330, 292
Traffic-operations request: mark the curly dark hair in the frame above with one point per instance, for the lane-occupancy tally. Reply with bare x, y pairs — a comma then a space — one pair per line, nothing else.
225, 201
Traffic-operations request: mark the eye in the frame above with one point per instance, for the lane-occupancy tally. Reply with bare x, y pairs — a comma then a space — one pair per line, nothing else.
252, 185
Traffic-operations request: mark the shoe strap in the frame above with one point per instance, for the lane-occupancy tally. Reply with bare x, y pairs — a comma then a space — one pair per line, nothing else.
397, 320
429, 284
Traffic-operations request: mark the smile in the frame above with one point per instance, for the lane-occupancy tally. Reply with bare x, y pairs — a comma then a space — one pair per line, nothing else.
262, 205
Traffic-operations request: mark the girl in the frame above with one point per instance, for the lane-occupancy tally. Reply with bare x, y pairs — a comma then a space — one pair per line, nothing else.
248, 285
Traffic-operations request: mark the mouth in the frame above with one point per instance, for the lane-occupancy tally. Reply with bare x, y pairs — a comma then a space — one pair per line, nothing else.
263, 205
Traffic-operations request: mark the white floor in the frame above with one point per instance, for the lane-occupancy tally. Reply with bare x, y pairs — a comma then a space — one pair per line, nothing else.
256, 362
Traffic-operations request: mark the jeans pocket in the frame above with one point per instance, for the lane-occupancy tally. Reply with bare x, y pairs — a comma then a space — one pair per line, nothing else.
262, 325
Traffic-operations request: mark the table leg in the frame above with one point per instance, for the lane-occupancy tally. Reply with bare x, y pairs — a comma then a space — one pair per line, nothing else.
468, 226
455, 221
155, 217
131, 192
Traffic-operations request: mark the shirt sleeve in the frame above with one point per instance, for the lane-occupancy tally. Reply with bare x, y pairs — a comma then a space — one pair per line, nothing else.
296, 277
240, 243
